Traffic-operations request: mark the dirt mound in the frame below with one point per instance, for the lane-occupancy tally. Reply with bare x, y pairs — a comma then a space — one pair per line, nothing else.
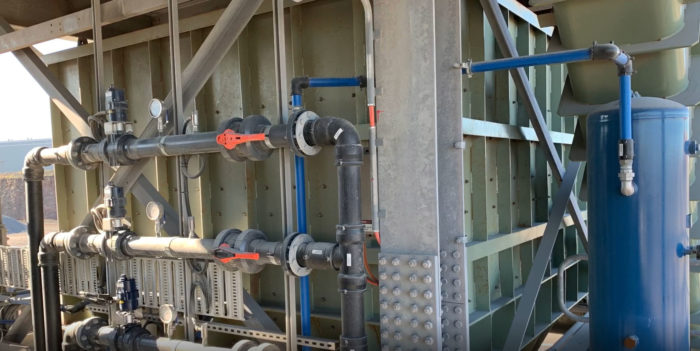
12, 225
12, 196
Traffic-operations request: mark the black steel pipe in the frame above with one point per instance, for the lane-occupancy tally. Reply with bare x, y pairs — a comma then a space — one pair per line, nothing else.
349, 232
128, 149
81, 244
33, 175
48, 261
93, 333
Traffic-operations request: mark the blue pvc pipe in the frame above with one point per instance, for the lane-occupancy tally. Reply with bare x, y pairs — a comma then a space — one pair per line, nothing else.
304, 288
533, 60
625, 107
296, 100
334, 82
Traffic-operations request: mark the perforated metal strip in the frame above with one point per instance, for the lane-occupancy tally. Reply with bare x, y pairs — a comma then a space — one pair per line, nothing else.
317, 343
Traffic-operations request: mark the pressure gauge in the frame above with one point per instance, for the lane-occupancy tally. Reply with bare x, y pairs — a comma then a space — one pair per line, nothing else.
155, 108
167, 314
155, 211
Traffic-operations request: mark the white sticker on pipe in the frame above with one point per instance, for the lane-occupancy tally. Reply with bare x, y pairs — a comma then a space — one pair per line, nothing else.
348, 259
337, 134
317, 252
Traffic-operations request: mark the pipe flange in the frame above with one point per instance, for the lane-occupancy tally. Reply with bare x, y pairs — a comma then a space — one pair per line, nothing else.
244, 345
112, 248
232, 124
84, 334
131, 333
120, 146
72, 245
76, 153
292, 243
295, 133
228, 237
255, 150
243, 245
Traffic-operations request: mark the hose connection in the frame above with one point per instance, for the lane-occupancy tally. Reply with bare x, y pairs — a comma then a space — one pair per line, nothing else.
626, 174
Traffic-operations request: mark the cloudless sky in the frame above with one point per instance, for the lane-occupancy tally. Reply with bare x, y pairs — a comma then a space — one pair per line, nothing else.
25, 109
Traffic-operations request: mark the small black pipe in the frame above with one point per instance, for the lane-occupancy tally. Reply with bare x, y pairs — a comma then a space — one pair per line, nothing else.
33, 175
319, 255
349, 232
48, 260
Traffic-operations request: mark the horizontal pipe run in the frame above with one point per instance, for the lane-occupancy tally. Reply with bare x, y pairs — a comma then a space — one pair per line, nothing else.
335, 82
94, 333
597, 52
526, 61
79, 243
301, 83
172, 247
130, 149
186, 144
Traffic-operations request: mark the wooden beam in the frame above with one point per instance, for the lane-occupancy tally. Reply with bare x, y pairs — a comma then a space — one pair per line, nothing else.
139, 36
188, 24
112, 11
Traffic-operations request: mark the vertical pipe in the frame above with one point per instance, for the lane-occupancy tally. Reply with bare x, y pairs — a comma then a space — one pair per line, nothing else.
350, 235
35, 231
296, 101
625, 107
371, 93
300, 180
48, 260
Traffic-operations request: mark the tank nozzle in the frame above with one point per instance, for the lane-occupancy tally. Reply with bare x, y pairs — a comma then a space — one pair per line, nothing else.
626, 177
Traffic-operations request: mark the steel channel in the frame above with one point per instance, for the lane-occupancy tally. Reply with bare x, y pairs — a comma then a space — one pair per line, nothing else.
316, 343
450, 163
285, 162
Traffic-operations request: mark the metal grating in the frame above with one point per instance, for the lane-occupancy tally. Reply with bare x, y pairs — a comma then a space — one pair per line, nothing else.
160, 281
15, 267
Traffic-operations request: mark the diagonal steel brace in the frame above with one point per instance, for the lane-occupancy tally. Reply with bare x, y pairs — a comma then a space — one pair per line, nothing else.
77, 115
508, 49
539, 266
205, 60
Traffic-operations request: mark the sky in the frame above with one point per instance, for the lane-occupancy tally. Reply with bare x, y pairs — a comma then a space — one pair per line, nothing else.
24, 107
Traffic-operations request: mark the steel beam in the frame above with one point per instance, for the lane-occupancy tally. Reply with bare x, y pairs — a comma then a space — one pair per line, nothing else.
522, 83
541, 262
81, 21
285, 167
215, 46
426, 223
450, 176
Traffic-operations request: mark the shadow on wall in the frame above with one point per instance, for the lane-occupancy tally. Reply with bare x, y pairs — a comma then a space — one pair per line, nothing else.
12, 202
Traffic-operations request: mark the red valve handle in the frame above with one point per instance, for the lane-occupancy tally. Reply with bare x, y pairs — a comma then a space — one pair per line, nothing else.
236, 255
230, 139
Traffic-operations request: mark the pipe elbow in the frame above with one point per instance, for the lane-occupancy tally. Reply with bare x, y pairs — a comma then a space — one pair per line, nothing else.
605, 51
48, 243
332, 131
613, 53
33, 169
299, 84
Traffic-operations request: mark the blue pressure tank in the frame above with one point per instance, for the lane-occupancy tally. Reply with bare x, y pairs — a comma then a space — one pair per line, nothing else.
638, 277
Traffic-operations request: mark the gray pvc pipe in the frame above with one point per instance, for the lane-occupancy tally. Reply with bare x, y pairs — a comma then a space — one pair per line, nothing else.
561, 285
